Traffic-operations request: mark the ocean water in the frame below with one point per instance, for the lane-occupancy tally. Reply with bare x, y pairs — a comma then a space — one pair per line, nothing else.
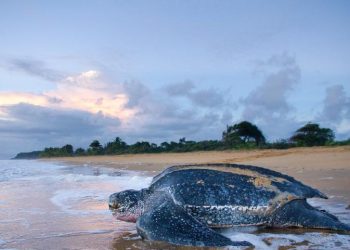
49, 206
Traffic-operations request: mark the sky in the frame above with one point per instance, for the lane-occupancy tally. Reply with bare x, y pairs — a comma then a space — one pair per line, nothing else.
74, 71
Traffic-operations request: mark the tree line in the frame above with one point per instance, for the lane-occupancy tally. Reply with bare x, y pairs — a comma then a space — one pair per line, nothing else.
243, 135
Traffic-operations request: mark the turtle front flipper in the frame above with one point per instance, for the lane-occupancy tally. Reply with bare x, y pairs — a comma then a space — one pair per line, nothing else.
166, 221
298, 213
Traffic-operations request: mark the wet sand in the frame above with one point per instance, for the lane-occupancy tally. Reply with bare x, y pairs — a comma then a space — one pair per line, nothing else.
325, 168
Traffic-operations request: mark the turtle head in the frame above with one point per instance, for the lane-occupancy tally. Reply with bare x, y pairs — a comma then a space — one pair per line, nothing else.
126, 205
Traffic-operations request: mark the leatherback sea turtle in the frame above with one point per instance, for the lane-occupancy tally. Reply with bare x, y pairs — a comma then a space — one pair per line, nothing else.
184, 204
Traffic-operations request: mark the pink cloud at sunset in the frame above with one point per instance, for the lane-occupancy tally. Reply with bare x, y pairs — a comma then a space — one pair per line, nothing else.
85, 92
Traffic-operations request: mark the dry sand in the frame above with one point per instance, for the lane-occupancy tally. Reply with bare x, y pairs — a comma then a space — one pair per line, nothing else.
325, 168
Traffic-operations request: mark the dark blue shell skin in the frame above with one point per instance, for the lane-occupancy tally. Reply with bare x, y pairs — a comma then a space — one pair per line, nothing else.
214, 184
209, 187
230, 194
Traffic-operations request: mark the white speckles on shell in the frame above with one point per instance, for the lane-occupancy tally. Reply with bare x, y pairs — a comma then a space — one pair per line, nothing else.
230, 207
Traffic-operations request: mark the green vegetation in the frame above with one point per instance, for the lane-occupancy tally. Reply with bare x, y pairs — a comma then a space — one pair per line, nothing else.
95, 148
66, 150
243, 135
28, 155
312, 135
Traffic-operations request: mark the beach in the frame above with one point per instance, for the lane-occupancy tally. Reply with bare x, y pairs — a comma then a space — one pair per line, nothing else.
325, 168
62, 202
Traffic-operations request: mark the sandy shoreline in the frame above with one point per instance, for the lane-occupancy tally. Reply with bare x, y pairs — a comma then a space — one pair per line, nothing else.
325, 168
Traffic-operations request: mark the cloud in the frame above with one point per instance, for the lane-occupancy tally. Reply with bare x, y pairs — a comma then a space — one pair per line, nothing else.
86, 91
139, 109
200, 127
37, 127
11, 98
85, 106
90, 79
136, 93
163, 125
336, 110
336, 104
180, 89
268, 104
28, 119
270, 98
160, 117
35, 68
206, 98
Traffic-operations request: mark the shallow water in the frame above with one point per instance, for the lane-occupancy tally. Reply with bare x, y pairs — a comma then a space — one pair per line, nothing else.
47, 206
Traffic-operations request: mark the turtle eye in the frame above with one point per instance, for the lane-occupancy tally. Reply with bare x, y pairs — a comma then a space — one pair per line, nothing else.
113, 205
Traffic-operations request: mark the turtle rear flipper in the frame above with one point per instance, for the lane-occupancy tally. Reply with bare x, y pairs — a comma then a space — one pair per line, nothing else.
166, 221
299, 213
